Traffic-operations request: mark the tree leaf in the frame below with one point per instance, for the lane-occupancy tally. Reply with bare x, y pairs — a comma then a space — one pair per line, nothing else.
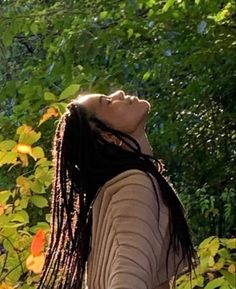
7, 38
39, 201
215, 283
37, 153
37, 187
51, 112
49, 96
69, 91
21, 217
229, 277
168, 4
4, 196
38, 242
146, 75
103, 15
7, 145
7, 158
34, 27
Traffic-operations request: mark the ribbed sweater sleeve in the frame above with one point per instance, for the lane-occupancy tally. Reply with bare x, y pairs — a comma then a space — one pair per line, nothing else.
134, 213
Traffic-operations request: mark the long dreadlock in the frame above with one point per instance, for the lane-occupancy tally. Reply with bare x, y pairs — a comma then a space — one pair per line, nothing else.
83, 162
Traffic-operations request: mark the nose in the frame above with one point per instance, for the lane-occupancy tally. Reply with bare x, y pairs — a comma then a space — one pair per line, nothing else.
119, 94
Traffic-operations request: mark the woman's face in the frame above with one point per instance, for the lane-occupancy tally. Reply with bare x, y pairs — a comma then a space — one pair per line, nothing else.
122, 112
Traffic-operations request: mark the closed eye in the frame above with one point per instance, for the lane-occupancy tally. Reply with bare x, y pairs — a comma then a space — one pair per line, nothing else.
103, 97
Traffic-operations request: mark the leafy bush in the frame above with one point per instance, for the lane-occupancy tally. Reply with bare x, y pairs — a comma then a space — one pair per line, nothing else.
216, 268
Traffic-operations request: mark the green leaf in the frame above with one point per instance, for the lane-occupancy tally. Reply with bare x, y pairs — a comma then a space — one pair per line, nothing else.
130, 32
7, 145
103, 14
229, 277
49, 96
69, 91
39, 201
37, 187
7, 38
146, 75
215, 283
224, 287
4, 196
24, 202
224, 253
48, 217
40, 225
34, 28
168, 4
21, 217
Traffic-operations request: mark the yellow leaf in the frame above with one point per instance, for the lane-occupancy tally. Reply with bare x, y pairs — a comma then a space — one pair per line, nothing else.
214, 246
231, 243
7, 158
24, 159
24, 129
7, 145
220, 264
231, 268
51, 112
205, 243
23, 148
37, 153
211, 261
27, 135
35, 263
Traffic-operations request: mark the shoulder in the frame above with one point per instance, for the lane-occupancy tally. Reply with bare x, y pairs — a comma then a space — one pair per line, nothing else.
132, 177
134, 186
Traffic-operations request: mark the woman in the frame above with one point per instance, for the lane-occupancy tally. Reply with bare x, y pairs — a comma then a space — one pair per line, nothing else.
111, 207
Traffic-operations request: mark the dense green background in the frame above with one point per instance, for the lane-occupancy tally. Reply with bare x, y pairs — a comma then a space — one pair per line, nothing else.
180, 55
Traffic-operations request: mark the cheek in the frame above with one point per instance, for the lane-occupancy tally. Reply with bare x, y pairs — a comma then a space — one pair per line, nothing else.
128, 120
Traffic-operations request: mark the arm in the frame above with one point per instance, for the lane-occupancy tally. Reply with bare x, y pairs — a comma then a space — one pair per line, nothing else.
134, 217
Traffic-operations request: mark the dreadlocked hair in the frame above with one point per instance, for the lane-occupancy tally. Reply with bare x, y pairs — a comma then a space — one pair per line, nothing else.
83, 162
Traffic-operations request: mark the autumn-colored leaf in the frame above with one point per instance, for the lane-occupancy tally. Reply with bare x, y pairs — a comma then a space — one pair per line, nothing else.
38, 243
51, 112
2, 208
35, 263
5, 286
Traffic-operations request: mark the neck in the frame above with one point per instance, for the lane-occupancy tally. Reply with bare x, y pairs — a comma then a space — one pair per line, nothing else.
142, 139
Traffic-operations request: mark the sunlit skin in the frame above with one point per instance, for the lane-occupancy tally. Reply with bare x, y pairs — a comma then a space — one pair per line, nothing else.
122, 112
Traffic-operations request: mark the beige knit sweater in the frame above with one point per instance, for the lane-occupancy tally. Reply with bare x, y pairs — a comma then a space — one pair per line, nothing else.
128, 251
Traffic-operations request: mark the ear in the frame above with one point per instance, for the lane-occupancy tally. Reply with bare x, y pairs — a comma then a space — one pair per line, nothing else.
108, 136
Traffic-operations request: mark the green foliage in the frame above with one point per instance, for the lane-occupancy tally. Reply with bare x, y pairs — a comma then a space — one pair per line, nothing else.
216, 268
